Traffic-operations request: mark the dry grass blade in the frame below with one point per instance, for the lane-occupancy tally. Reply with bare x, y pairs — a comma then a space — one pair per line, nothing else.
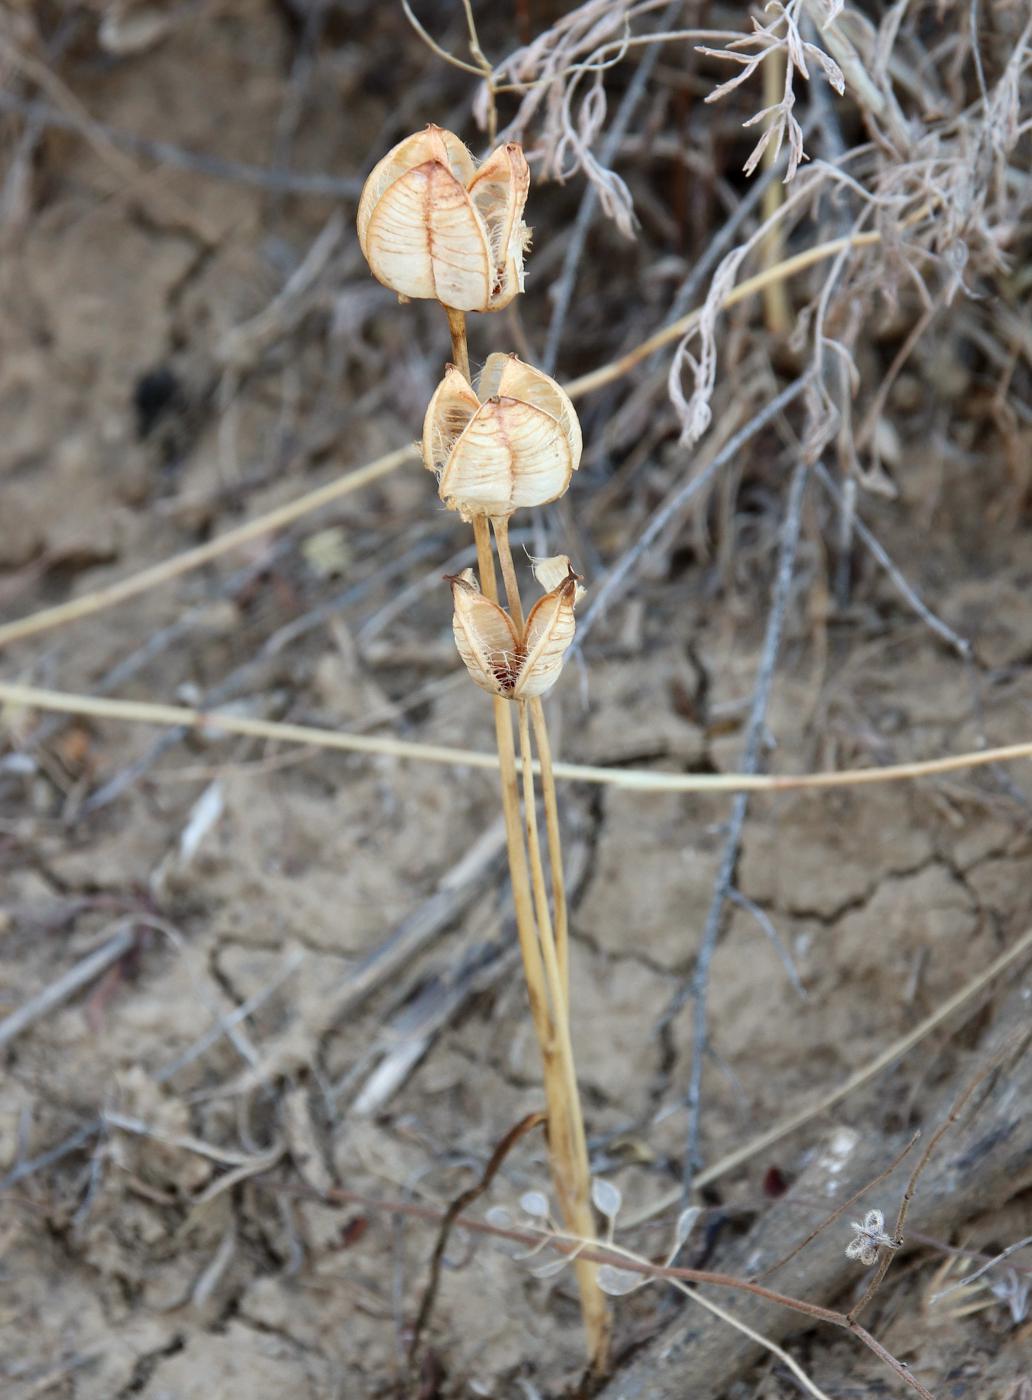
216, 722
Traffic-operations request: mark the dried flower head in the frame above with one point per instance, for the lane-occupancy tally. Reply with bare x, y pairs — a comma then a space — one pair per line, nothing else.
870, 1234
500, 659
515, 442
432, 225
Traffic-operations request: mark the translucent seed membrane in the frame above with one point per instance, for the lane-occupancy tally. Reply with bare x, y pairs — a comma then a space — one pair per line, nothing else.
512, 376
431, 144
425, 239
447, 416
499, 192
500, 660
515, 443
432, 226
510, 455
547, 637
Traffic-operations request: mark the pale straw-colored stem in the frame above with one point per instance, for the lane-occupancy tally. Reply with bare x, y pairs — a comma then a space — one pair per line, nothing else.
567, 1143
555, 850
772, 249
537, 714
537, 870
459, 345
526, 926
512, 586
485, 557
218, 722
567, 1146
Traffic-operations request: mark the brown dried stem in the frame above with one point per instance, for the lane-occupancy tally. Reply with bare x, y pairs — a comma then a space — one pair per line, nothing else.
776, 309
886, 1255
458, 1205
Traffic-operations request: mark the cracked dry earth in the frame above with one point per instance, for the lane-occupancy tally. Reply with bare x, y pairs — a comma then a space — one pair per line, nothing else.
185, 1260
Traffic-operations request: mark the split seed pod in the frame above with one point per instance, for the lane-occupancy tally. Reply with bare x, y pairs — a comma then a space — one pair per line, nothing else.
500, 659
432, 225
516, 442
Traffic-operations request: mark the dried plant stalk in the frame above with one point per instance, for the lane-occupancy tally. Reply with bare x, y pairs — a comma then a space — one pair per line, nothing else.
566, 1141
543, 947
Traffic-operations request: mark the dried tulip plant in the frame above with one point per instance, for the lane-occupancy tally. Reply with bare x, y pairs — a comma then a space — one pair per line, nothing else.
432, 225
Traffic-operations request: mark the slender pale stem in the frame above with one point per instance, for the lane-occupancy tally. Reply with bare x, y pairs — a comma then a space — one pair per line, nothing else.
526, 928
566, 1139
485, 557
459, 346
512, 587
537, 713
537, 872
555, 850
772, 248
544, 969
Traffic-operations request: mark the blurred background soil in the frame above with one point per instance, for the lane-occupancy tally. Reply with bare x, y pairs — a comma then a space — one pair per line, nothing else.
186, 343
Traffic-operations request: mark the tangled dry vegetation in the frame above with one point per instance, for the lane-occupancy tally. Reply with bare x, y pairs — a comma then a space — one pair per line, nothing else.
263, 1027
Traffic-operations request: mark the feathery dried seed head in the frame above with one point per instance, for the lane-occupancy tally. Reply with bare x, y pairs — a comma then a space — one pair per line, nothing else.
432, 225
516, 442
500, 659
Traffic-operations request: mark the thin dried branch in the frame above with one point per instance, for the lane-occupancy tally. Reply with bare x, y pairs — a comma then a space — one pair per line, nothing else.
461, 1203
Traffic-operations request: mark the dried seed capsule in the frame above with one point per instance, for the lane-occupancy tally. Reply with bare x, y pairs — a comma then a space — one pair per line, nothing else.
499, 659
485, 636
546, 639
431, 225
516, 442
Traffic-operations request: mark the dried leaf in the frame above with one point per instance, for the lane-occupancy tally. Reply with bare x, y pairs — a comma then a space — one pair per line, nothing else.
553, 1267
686, 1224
